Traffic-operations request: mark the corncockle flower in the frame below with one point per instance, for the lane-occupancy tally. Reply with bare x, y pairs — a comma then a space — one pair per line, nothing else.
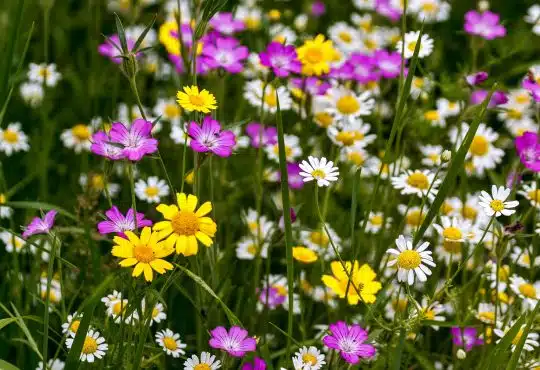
103, 146
258, 364
476, 78
281, 59
532, 84
111, 48
343, 72
311, 85
136, 141
387, 9
465, 337
118, 223
364, 67
268, 134
485, 25
226, 53
388, 63
498, 98
321, 170
271, 297
235, 341
226, 24
349, 340
528, 149
318, 8
40, 225
296, 180
209, 138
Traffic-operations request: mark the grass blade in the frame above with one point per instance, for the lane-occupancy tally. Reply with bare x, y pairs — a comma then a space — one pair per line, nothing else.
514, 360
143, 35
121, 34
41, 206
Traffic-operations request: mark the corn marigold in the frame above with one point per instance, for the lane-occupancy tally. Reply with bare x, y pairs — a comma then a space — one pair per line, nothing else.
191, 99
315, 56
363, 278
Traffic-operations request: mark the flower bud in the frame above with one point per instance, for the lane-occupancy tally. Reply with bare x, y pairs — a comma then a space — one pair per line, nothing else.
483, 5
130, 65
446, 156
461, 354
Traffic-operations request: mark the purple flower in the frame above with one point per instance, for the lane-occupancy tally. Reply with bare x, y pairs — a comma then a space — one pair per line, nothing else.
476, 78
349, 341
268, 134
40, 226
498, 98
101, 145
485, 25
343, 72
528, 149
364, 66
312, 85
226, 53
271, 297
118, 223
318, 8
235, 342
386, 9
136, 141
281, 59
226, 24
210, 138
465, 338
531, 84
111, 48
258, 364
295, 180
388, 63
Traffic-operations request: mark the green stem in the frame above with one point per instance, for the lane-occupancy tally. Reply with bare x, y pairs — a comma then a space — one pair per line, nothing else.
50, 269
132, 186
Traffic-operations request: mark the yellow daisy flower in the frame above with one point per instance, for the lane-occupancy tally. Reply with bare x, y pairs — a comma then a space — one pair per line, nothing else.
305, 255
184, 226
315, 56
193, 100
363, 279
144, 252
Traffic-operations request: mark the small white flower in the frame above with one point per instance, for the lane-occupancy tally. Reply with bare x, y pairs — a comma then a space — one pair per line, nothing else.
169, 110
158, 312
496, 204
417, 182
41, 73
253, 92
258, 224
13, 243
344, 104
411, 261
151, 190
430, 312
321, 170
96, 182
77, 138
530, 342
308, 359
529, 292
486, 313
523, 258
170, 342
375, 222
94, 346
532, 193
13, 139
72, 324
247, 249
319, 241
292, 149
32, 93
426, 45
206, 359
533, 17
461, 354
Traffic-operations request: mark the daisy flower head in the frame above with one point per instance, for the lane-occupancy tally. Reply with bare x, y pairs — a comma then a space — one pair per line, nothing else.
344, 104
185, 225
146, 253
191, 99
235, 341
351, 133
319, 241
410, 39
208, 137
72, 324
496, 203
170, 342
205, 361
411, 261
533, 17
355, 282
531, 341
527, 291
40, 225
44, 73
376, 222
430, 311
320, 170
293, 150
77, 138
257, 95
308, 359
453, 230
432, 155
32, 93
94, 346
349, 341
523, 258
247, 249
151, 190
345, 37
486, 313
316, 55
417, 182
13, 242
531, 193
13, 139
168, 109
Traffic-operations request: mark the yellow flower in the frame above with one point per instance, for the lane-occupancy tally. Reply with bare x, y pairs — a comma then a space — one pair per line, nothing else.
303, 254
315, 56
166, 37
362, 278
184, 226
144, 252
193, 100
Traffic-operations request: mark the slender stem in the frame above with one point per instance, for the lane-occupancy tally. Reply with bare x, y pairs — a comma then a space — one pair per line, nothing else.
50, 270
132, 186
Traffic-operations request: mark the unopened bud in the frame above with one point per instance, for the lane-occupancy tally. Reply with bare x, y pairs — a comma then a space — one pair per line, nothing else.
461, 354
130, 65
483, 5
446, 156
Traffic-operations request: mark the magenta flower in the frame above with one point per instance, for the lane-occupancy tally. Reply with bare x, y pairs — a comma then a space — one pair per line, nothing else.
226, 24
349, 342
294, 179
40, 225
102, 145
364, 66
258, 364
210, 138
388, 63
281, 59
235, 342
344, 72
226, 53
485, 25
271, 297
111, 48
476, 78
136, 140
311, 85
513, 179
465, 338
386, 9
531, 84
318, 8
498, 98
118, 223
528, 149
268, 134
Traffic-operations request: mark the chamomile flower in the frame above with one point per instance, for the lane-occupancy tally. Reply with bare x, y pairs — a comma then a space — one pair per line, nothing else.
247, 248
376, 221
282, 34
44, 73
351, 133
52, 364
533, 17
94, 346
421, 87
250, 15
13, 242
411, 261
448, 108
345, 105
517, 127
426, 45
431, 311
95, 182
523, 258
345, 37
324, 295
169, 110
365, 4
72, 324
32, 93
78, 138
117, 307
258, 225
319, 241
486, 313
532, 193
454, 231
170, 342
308, 359
13, 139
417, 182
435, 118
531, 341
205, 361
432, 155
253, 93
529, 292
496, 204
158, 312
292, 149
430, 11
320, 170
151, 190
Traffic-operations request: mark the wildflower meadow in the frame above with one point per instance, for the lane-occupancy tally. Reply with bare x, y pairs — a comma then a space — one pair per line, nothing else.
269, 184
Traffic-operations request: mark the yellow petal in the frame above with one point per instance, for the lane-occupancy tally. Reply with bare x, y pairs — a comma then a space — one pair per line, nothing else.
333, 284
205, 239
168, 211
162, 250
208, 229
121, 241
204, 209
181, 244
148, 275
338, 271
192, 246
145, 235
132, 237
181, 200
353, 298
161, 265
191, 203
365, 274
169, 242
122, 251
138, 269
372, 287
128, 262
367, 298
162, 225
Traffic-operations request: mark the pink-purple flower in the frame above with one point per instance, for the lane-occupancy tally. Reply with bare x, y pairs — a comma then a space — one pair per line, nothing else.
271, 297
40, 225
226, 24
111, 48
226, 53
118, 223
528, 149
387, 9
349, 341
498, 98
235, 341
103, 146
530, 83
311, 85
476, 78
318, 8
282, 59
136, 141
466, 338
209, 137
485, 24
388, 63
364, 67
256, 132
258, 364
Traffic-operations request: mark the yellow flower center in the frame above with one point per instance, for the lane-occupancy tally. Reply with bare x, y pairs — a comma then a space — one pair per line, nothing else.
452, 233
432, 115
413, 218
479, 146
3, 198
274, 14
196, 100
172, 110
81, 132
97, 182
345, 37
514, 114
534, 195
90, 345
418, 180
376, 220
357, 158
409, 259
74, 326
526, 259
411, 46
279, 38
288, 151
313, 55
11, 136
169, 343
309, 358
434, 157
324, 119
151, 191
319, 238
318, 174
252, 249
366, 26
251, 23
429, 314
120, 307
370, 44
527, 290
429, 7
487, 316
185, 223
44, 72
469, 213
452, 105
418, 82
504, 273
452, 246
348, 105
143, 253
446, 208
155, 312
270, 99
496, 205
281, 290
523, 99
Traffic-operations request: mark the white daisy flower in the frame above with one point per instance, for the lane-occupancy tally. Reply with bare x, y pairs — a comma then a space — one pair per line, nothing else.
430, 312
13, 139
151, 190
421, 87
529, 292
523, 258
531, 341
344, 104
247, 248
357, 156
179, 135
52, 364
94, 346
321, 170
417, 182
453, 229
518, 127
324, 295
170, 342
496, 204
32, 93
519, 100
411, 261
396, 306
435, 118
532, 193
13, 242
448, 108
413, 219
44, 73
5, 211
308, 359
116, 307
158, 312
452, 207
346, 38
292, 149
169, 110
72, 324
533, 17
77, 138
375, 222
486, 313
504, 275
253, 92
365, 4
432, 155
426, 45
282, 34
96, 182
430, 11
318, 241
250, 15
363, 22
258, 225
196, 363
351, 133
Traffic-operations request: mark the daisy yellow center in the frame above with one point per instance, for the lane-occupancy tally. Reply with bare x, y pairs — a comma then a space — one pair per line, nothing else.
414, 219
446, 208
18, 244
155, 312
504, 273
119, 307
11, 136
270, 99
479, 146
185, 223
526, 259
377, 220
514, 114
452, 233
298, 93
172, 110
44, 72
366, 26
251, 23
469, 212
429, 7
409, 259
496, 205
288, 150
143, 253
318, 174
309, 358
522, 99
97, 182
125, 4
74, 326
81, 132
517, 338
169, 343
151, 191
429, 314
319, 238
452, 105
324, 119
411, 46
281, 290
370, 44
527, 290
357, 158
418, 82
452, 246
252, 249
487, 316
3, 198
431, 115
418, 180
534, 195
314, 55
196, 100
433, 157
347, 105
345, 37
279, 38
90, 345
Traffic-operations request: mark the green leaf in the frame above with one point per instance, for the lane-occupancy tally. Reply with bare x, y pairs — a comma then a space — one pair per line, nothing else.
396, 355
501, 349
20, 322
143, 35
41, 206
5, 322
210, 8
121, 34
514, 360
4, 365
